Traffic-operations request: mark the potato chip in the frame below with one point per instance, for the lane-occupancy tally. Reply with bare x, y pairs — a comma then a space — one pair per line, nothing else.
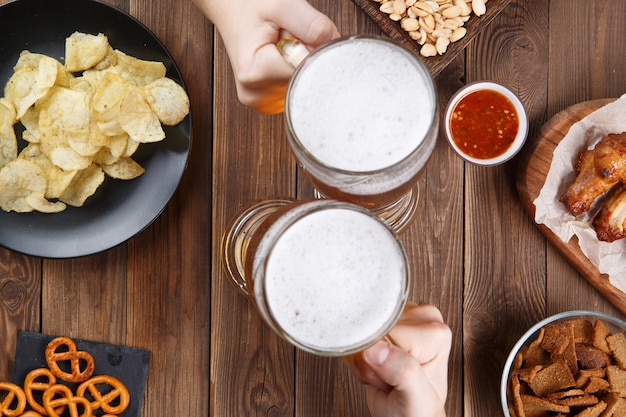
82, 146
138, 71
8, 140
64, 109
68, 159
105, 157
19, 179
115, 144
81, 84
58, 180
168, 100
138, 119
27, 60
109, 92
131, 147
29, 84
108, 61
83, 50
118, 144
30, 121
39, 203
79, 127
123, 169
64, 114
109, 128
31, 60
83, 186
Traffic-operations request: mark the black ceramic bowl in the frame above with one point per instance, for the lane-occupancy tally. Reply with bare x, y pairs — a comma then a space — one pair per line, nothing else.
119, 209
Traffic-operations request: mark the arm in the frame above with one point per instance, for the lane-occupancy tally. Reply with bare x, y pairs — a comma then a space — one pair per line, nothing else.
250, 30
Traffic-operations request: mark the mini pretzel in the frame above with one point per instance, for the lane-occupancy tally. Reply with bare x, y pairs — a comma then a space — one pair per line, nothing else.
104, 397
32, 413
13, 392
75, 358
58, 396
33, 382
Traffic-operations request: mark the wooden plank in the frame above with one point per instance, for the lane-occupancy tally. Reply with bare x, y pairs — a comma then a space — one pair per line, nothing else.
583, 53
503, 255
437, 261
94, 305
252, 369
168, 278
435, 64
583, 67
20, 297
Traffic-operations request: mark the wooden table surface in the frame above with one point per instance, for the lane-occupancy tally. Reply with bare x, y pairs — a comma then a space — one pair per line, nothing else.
475, 252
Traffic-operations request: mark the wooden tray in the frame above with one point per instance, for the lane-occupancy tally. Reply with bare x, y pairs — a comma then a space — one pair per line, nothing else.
533, 168
435, 63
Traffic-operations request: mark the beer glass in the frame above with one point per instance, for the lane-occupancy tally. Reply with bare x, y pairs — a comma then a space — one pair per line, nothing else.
361, 119
330, 277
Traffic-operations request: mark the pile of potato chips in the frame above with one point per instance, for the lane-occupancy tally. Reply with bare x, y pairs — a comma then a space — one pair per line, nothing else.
81, 120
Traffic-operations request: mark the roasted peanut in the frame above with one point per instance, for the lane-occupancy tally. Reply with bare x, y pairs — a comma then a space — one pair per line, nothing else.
434, 24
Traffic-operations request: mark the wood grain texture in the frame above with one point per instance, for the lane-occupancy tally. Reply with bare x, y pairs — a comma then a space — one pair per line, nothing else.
438, 63
504, 256
169, 264
20, 303
437, 239
252, 370
152, 291
583, 66
475, 251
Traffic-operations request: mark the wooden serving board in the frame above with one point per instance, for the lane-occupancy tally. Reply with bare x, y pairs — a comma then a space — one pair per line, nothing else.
435, 63
533, 169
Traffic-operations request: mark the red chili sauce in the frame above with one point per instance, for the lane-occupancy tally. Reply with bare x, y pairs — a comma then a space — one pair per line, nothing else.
484, 124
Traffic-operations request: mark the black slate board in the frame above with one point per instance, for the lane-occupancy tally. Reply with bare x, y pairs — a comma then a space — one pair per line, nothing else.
129, 365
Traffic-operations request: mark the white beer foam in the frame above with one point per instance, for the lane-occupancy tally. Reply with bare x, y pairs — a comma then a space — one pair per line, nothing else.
334, 279
363, 105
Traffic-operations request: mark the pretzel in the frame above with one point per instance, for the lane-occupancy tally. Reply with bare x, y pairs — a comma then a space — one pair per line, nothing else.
32, 383
32, 413
75, 358
9, 407
104, 397
59, 395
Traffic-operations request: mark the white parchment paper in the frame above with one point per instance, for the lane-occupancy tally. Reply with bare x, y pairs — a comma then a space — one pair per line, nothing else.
609, 258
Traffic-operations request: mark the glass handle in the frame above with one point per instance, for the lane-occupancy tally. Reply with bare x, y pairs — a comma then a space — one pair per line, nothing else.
291, 49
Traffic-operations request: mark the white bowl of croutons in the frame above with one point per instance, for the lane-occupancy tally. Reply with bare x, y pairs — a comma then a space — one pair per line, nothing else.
569, 364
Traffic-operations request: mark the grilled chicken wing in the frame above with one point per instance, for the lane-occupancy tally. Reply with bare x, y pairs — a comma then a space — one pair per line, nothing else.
610, 223
599, 170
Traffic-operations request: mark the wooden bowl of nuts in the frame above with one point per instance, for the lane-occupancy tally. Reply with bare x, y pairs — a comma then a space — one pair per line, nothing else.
437, 30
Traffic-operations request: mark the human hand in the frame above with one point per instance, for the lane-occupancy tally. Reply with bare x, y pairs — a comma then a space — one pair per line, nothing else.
250, 30
407, 378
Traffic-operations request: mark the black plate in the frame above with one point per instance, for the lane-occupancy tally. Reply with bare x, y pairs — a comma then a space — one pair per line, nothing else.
129, 365
119, 209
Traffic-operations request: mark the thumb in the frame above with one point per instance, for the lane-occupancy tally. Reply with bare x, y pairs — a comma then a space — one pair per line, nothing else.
394, 366
411, 392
